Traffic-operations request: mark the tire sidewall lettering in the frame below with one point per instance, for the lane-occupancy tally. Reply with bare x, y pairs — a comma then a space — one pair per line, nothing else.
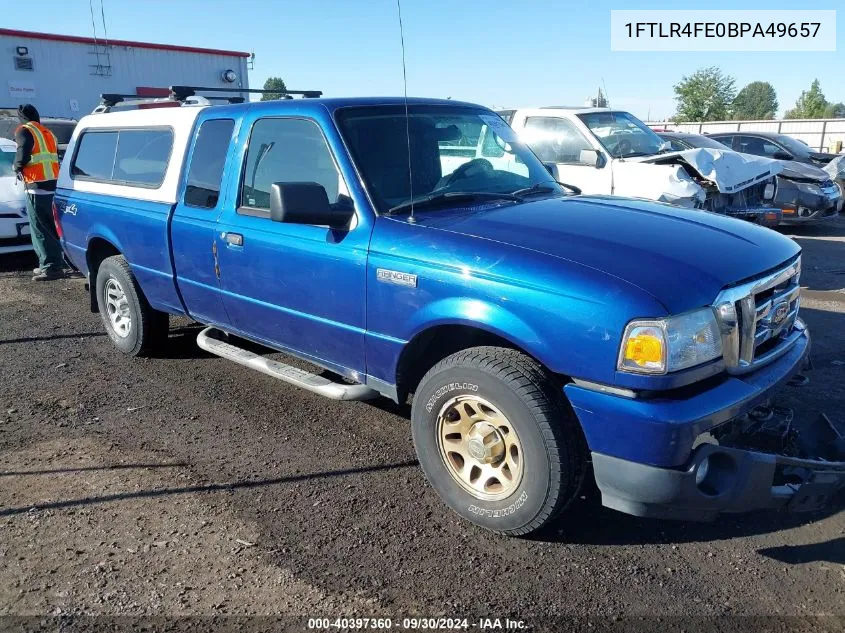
501, 512
449, 388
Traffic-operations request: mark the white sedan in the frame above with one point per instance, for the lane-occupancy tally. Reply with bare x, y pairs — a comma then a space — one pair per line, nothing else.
14, 225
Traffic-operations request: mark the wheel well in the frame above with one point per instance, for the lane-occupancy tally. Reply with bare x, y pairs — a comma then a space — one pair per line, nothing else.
98, 250
431, 346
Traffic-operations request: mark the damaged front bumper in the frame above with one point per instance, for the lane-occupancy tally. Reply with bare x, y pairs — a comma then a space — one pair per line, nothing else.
763, 459
718, 479
803, 202
694, 453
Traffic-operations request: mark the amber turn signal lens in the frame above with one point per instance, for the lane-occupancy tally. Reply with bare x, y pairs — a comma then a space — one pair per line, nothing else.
644, 349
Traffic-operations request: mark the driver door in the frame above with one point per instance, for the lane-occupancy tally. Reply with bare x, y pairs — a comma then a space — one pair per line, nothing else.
297, 287
557, 140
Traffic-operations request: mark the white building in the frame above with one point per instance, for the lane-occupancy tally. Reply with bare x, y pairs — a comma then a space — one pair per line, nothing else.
63, 75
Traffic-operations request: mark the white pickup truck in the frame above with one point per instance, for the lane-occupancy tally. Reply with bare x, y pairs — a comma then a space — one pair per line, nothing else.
612, 152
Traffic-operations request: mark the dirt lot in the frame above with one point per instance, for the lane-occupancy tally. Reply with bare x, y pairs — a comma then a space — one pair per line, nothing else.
186, 485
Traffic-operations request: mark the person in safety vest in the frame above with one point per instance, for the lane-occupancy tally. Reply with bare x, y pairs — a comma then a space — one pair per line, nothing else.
37, 163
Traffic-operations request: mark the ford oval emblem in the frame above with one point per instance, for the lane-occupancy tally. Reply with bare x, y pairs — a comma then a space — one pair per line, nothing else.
779, 313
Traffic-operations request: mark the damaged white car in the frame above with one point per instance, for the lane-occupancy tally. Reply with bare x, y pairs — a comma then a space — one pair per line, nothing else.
612, 152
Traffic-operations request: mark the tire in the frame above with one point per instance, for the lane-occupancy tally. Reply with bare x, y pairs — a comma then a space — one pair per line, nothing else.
138, 328
516, 491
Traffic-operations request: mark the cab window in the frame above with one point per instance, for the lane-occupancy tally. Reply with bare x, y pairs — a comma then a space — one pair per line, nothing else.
287, 150
555, 140
207, 162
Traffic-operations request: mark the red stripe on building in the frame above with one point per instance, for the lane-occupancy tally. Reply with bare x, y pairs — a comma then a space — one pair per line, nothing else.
89, 40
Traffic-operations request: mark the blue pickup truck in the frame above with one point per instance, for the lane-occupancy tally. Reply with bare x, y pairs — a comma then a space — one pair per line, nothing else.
418, 248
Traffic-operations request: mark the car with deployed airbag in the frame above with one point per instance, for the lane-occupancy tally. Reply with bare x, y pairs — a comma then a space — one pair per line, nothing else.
804, 193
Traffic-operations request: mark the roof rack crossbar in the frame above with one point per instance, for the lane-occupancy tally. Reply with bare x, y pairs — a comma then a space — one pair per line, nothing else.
181, 93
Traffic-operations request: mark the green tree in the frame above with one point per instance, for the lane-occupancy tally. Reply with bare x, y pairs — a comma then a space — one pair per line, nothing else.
835, 111
277, 85
810, 105
757, 100
706, 95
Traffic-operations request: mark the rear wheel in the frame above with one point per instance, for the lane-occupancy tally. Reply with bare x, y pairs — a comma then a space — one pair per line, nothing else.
131, 323
497, 440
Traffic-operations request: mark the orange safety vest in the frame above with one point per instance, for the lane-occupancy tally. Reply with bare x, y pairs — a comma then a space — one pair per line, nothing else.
44, 162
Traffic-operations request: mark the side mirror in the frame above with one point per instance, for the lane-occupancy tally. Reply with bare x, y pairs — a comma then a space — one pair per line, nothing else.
305, 203
782, 155
591, 157
552, 169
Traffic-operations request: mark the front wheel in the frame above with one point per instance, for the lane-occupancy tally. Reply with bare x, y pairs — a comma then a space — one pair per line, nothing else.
497, 440
132, 324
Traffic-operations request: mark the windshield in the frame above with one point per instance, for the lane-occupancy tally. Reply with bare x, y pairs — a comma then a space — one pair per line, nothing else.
7, 128
622, 135
6, 161
454, 150
796, 147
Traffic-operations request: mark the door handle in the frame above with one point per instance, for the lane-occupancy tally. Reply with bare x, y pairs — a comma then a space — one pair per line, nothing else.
234, 239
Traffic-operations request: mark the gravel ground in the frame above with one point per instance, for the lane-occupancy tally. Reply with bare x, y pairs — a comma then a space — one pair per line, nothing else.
186, 485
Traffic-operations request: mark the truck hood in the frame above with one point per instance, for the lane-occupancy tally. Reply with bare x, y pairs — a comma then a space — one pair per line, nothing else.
730, 171
682, 258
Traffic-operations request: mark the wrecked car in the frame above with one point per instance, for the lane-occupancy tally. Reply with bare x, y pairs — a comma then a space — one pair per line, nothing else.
804, 192
836, 170
612, 152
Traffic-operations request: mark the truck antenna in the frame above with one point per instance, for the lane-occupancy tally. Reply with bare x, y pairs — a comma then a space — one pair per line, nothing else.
407, 116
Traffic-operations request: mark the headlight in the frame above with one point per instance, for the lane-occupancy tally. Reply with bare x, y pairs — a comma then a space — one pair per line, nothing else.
670, 344
768, 191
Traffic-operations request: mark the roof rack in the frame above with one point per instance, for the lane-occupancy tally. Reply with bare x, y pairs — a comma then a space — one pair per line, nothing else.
188, 95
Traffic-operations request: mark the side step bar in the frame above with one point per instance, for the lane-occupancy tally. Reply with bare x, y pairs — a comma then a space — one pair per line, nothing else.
209, 340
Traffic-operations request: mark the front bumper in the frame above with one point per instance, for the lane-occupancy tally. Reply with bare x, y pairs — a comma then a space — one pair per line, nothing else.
717, 479
800, 203
643, 457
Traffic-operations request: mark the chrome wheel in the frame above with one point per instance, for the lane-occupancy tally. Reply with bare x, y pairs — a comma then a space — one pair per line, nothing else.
117, 307
480, 448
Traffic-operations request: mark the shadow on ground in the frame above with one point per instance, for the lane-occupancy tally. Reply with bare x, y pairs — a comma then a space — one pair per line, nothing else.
832, 551
223, 487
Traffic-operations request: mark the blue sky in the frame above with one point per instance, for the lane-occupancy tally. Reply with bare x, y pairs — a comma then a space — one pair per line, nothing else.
495, 52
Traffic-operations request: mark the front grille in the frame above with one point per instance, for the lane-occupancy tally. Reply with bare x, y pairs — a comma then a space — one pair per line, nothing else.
759, 319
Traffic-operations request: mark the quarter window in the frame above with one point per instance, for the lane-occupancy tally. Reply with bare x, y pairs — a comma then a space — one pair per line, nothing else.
288, 150
95, 156
142, 156
555, 140
207, 162
131, 157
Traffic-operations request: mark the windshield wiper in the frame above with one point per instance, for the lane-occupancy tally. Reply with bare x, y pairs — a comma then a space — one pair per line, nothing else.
532, 190
541, 188
450, 196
